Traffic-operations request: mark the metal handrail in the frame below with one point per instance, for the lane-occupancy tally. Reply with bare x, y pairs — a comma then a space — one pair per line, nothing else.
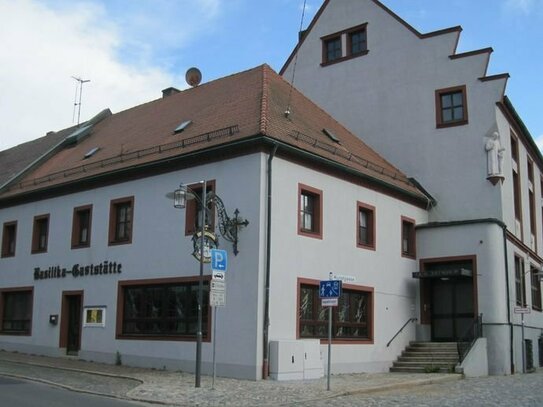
401, 329
466, 342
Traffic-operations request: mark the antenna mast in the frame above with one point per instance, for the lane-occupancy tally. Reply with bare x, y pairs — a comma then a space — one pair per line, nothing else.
78, 90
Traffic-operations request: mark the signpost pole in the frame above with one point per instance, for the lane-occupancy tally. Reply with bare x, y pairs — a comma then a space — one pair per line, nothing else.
329, 347
523, 350
214, 346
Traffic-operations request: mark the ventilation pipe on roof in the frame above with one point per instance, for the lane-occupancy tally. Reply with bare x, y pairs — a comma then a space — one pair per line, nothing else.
169, 91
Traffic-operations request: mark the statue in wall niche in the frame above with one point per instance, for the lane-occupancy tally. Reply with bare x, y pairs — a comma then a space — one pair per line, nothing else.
494, 155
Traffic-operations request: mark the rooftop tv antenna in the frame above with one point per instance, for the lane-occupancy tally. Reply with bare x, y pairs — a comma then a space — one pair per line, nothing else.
288, 111
78, 91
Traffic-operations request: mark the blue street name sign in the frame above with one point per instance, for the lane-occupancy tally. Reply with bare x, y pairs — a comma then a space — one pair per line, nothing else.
219, 260
330, 289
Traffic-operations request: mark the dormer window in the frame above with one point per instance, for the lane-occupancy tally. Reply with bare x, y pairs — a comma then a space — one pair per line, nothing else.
182, 126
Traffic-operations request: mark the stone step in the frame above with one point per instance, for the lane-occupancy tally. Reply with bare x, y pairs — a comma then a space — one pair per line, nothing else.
450, 359
419, 370
426, 364
433, 345
427, 357
409, 352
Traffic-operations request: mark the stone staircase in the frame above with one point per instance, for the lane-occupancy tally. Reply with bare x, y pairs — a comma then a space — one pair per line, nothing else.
427, 357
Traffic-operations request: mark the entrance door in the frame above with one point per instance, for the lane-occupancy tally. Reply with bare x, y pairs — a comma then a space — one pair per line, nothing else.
70, 328
452, 308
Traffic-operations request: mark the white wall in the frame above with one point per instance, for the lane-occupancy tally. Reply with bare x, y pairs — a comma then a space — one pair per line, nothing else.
159, 249
384, 269
387, 97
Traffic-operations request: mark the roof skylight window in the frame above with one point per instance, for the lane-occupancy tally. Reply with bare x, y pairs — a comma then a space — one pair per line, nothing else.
331, 135
182, 126
91, 152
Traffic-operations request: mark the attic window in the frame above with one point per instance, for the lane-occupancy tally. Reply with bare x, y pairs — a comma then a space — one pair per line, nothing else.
91, 152
182, 126
330, 135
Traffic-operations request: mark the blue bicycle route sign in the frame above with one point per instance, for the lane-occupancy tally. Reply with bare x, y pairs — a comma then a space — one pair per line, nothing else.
330, 289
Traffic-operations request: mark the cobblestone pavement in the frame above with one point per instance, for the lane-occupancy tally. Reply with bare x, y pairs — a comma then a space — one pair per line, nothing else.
511, 391
177, 388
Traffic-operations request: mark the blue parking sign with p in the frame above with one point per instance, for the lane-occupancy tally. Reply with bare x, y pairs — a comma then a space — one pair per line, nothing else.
219, 260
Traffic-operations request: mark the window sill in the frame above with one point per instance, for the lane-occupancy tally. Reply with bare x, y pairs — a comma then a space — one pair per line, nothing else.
119, 242
6, 256
314, 235
451, 124
345, 341
346, 58
34, 251
81, 246
537, 309
409, 256
7, 333
160, 338
366, 246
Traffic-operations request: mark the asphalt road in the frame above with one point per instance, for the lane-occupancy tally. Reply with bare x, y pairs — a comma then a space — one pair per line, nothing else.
19, 393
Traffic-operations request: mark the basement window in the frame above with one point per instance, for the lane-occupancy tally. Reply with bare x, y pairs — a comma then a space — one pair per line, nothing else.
182, 126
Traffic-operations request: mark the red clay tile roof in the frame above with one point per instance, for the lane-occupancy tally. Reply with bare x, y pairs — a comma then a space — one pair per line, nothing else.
240, 106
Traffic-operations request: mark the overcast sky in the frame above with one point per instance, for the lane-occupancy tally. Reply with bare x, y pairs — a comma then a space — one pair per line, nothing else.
132, 49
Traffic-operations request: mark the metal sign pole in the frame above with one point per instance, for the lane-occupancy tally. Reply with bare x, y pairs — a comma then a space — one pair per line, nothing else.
329, 347
214, 346
523, 350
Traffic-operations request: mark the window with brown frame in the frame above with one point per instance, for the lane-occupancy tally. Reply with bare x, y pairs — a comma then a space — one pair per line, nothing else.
332, 49
40, 233
531, 203
354, 40
310, 211
9, 238
451, 107
158, 310
408, 238
193, 210
81, 226
16, 311
121, 216
351, 319
536, 289
520, 285
357, 41
365, 236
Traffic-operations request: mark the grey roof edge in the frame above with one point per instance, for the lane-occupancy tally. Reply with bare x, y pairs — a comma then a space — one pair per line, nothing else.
50, 152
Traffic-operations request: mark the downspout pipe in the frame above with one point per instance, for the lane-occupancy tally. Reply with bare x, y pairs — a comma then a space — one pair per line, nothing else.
265, 333
508, 299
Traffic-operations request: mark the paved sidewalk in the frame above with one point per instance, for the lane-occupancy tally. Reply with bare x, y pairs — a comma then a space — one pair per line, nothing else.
177, 388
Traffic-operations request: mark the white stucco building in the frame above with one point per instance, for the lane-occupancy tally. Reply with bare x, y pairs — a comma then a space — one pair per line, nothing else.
96, 263
445, 121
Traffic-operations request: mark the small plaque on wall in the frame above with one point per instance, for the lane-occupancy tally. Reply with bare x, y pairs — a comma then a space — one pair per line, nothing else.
94, 316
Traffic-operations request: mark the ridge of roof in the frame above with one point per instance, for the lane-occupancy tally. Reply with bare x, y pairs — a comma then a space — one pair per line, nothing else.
378, 3
264, 100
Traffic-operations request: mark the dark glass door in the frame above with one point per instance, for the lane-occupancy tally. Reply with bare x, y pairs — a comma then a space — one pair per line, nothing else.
452, 308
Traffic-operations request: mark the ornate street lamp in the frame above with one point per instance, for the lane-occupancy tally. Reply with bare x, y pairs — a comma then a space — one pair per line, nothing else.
180, 201
229, 229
